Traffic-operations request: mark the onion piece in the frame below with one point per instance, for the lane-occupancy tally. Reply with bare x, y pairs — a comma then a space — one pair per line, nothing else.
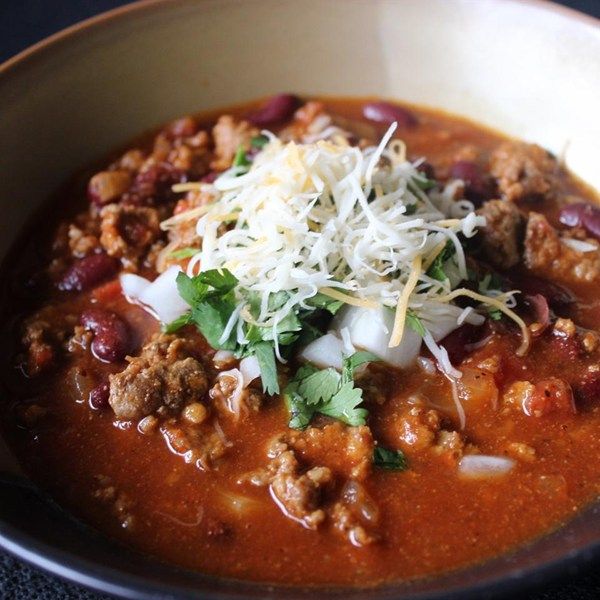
133, 286
480, 466
326, 351
249, 369
160, 297
370, 329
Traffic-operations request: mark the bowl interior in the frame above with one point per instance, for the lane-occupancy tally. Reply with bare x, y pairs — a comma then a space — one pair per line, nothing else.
525, 68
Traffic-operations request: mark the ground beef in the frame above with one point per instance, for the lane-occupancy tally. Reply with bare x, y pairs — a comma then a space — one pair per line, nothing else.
318, 475
524, 171
200, 445
502, 237
229, 135
127, 232
300, 493
108, 186
538, 400
549, 257
164, 375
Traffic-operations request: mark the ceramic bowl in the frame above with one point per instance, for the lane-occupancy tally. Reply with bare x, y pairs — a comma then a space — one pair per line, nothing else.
528, 68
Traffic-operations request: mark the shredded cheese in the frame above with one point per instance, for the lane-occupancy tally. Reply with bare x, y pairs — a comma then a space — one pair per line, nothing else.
353, 224
402, 307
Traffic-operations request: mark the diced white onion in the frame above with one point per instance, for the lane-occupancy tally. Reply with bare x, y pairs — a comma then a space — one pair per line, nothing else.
326, 351
133, 285
222, 357
250, 369
478, 466
370, 329
160, 297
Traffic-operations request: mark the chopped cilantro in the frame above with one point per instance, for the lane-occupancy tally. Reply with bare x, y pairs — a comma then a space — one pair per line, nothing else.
494, 313
436, 270
327, 392
240, 160
259, 141
391, 460
415, 323
325, 302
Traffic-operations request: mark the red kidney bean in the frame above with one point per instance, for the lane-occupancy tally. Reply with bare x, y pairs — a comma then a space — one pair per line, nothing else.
111, 341
87, 272
384, 112
98, 398
587, 390
582, 214
210, 177
478, 187
457, 342
540, 311
277, 110
153, 185
557, 296
427, 169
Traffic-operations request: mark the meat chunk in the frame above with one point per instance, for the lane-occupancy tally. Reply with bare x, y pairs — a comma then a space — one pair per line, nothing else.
40, 346
200, 445
524, 171
348, 451
304, 476
128, 231
229, 135
502, 236
540, 399
299, 494
164, 375
547, 255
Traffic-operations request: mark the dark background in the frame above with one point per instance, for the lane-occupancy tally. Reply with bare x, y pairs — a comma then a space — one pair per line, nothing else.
24, 22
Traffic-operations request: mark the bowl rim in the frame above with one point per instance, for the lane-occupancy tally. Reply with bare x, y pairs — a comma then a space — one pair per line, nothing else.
104, 579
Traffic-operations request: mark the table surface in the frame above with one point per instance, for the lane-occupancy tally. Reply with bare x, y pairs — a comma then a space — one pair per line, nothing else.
22, 23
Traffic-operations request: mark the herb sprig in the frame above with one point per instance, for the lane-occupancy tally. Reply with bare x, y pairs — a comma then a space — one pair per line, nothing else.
326, 391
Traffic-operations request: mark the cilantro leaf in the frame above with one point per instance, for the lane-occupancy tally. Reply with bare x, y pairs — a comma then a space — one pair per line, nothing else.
343, 406
494, 313
436, 270
351, 363
211, 318
326, 392
265, 355
178, 323
391, 460
259, 141
221, 280
415, 323
325, 302
240, 159
320, 386
301, 413
191, 289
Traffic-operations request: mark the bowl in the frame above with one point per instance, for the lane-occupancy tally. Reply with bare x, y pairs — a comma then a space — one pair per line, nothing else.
528, 68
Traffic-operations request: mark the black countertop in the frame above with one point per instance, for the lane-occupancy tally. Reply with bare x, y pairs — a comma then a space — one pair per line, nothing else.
24, 22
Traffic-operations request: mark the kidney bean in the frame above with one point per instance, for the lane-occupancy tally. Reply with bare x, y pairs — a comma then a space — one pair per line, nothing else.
540, 311
210, 177
384, 112
277, 110
478, 187
87, 272
557, 296
457, 343
582, 214
111, 341
427, 169
587, 390
153, 185
98, 398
